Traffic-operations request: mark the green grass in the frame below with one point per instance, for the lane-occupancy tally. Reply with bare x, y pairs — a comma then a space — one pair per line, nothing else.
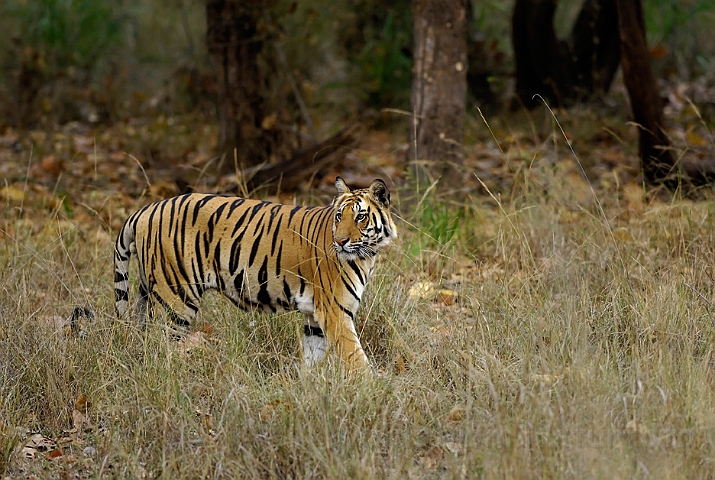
581, 347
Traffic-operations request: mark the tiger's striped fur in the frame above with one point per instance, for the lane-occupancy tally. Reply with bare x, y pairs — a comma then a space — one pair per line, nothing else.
260, 255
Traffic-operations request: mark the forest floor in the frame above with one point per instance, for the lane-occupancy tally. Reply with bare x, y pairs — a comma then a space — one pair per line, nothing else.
536, 322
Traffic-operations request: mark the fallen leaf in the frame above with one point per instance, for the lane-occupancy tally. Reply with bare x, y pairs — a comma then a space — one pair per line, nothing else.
457, 413
56, 453
442, 331
270, 408
636, 428
549, 379
659, 51
431, 457
399, 364
36, 443
89, 451
695, 139
455, 448
12, 193
207, 420
446, 297
82, 403
191, 341
269, 121
50, 164
421, 290
78, 420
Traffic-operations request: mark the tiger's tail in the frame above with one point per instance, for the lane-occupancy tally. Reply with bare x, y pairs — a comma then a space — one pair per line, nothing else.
123, 249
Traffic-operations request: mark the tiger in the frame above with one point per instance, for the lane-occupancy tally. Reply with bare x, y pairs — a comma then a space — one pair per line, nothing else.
262, 256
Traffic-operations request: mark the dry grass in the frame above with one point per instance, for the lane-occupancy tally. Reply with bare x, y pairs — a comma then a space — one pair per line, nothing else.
581, 347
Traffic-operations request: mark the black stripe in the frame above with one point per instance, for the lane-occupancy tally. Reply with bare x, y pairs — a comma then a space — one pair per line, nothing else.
302, 282
256, 209
196, 283
274, 211
324, 219
357, 271
310, 223
120, 295
345, 310
385, 223
254, 248
172, 214
263, 296
238, 284
200, 203
234, 256
207, 244
121, 277
292, 213
150, 223
286, 290
213, 220
199, 276
234, 205
350, 289
275, 234
239, 223
278, 259
217, 258
309, 330
180, 257
300, 229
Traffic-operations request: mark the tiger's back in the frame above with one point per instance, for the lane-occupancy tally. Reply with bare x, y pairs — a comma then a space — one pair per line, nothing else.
262, 256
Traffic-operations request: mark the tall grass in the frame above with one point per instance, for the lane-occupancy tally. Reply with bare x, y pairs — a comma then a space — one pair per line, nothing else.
581, 346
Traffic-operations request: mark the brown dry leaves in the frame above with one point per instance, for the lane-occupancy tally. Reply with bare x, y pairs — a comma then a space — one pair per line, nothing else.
67, 446
440, 297
196, 340
272, 408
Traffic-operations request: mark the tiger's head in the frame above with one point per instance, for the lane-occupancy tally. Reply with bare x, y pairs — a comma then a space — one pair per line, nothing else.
362, 223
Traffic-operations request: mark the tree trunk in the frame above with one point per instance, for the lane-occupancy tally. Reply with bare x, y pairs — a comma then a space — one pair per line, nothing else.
595, 47
235, 46
439, 87
559, 71
657, 161
539, 56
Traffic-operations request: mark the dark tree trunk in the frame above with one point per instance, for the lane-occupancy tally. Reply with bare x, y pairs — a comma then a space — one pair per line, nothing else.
560, 71
439, 86
656, 159
540, 57
235, 46
595, 47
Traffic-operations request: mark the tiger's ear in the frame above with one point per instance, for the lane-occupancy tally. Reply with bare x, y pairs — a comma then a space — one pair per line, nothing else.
379, 193
341, 186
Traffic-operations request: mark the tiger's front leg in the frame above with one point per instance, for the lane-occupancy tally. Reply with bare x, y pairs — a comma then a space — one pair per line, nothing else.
339, 328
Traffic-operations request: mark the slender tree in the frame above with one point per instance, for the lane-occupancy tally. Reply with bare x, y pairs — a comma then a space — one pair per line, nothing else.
657, 160
562, 71
439, 86
238, 42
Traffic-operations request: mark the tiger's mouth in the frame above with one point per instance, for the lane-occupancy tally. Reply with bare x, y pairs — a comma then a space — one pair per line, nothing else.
352, 251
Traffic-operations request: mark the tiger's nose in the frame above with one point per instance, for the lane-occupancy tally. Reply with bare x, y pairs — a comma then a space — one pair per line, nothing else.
342, 241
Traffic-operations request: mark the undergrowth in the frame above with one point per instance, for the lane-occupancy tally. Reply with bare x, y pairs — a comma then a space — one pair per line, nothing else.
535, 336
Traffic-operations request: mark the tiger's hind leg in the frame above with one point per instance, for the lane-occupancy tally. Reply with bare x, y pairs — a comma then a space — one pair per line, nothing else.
181, 311
315, 344
141, 309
